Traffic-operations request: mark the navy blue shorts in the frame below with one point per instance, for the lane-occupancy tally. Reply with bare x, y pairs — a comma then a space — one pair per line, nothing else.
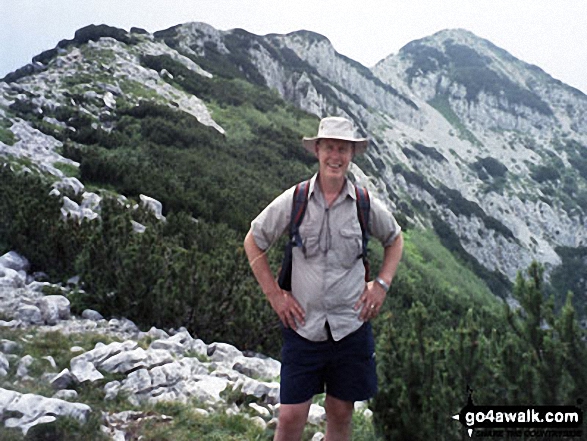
344, 369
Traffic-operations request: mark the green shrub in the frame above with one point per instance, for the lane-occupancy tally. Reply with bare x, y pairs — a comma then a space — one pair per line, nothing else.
545, 173
425, 59
570, 277
31, 224
491, 166
434, 345
429, 151
177, 273
6, 135
95, 32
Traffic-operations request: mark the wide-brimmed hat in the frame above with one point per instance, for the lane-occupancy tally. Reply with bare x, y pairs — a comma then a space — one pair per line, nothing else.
335, 127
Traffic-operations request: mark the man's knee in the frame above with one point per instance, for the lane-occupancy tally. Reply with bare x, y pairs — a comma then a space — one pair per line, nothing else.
292, 418
339, 412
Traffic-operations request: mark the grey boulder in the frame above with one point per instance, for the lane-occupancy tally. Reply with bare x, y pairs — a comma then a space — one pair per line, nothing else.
30, 410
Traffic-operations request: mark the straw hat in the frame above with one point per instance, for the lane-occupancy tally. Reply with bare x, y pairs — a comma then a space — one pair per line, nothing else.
335, 127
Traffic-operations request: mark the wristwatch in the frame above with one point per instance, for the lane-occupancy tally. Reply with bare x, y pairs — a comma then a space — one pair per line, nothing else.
381, 282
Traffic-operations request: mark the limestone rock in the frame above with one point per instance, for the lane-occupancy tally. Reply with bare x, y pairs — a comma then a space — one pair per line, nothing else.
103, 352
137, 227
111, 390
178, 378
157, 333
66, 394
14, 261
262, 411
154, 205
223, 352
202, 412
83, 371
71, 184
259, 422
10, 278
90, 314
124, 326
50, 360
268, 392
30, 314
4, 365
30, 410
73, 209
317, 415
62, 380
256, 367
9, 346
54, 308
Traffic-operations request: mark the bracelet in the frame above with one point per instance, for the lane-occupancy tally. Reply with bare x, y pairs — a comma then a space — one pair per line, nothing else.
381, 282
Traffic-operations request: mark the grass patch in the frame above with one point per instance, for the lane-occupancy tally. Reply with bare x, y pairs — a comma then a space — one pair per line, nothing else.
18, 162
6, 135
186, 425
138, 90
53, 343
425, 254
441, 104
69, 170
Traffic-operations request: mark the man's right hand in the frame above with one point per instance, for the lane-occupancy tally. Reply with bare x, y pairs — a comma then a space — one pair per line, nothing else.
285, 305
287, 308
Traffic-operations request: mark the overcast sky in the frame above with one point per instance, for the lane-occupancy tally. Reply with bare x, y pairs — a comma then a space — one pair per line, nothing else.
550, 34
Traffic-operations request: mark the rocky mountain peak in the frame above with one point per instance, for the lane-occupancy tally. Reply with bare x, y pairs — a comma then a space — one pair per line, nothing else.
309, 36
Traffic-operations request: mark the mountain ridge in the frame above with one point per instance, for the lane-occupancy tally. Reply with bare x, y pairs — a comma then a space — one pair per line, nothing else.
510, 182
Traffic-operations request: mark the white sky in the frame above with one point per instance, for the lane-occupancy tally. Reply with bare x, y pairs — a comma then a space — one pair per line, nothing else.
550, 34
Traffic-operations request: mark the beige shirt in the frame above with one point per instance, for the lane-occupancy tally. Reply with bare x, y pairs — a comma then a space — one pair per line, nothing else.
328, 275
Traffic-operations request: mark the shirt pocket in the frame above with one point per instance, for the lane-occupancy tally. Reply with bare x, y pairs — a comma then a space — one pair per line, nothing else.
350, 247
310, 246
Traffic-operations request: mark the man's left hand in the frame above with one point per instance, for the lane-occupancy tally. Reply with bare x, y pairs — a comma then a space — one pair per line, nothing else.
371, 301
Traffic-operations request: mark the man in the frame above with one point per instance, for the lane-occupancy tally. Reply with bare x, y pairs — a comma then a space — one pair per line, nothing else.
328, 343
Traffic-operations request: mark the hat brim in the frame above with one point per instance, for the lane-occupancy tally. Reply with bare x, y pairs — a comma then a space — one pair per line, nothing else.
360, 143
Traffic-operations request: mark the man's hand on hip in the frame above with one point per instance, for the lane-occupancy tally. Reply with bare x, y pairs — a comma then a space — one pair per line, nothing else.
371, 301
287, 308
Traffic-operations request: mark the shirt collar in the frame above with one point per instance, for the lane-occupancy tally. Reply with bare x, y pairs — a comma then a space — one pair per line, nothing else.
348, 188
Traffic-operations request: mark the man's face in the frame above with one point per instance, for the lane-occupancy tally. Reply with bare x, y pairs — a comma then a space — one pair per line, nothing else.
334, 156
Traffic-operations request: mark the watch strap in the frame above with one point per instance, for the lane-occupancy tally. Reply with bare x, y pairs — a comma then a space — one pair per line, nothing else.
381, 282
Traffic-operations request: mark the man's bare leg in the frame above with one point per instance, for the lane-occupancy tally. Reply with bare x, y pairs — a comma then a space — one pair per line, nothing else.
339, 416
292, 420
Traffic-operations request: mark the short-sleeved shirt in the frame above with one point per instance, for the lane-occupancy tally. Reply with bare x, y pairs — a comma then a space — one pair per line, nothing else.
328, 275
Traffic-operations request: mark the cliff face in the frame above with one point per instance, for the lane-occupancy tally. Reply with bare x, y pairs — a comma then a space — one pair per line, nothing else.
487, 149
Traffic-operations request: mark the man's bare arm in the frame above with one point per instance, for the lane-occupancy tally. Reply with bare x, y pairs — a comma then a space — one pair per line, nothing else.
284, 304
374, 295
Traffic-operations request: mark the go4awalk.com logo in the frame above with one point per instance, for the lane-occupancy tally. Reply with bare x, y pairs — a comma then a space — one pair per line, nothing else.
521, 421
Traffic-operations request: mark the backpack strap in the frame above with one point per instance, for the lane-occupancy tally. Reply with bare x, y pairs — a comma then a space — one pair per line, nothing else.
298, 209
363, 212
